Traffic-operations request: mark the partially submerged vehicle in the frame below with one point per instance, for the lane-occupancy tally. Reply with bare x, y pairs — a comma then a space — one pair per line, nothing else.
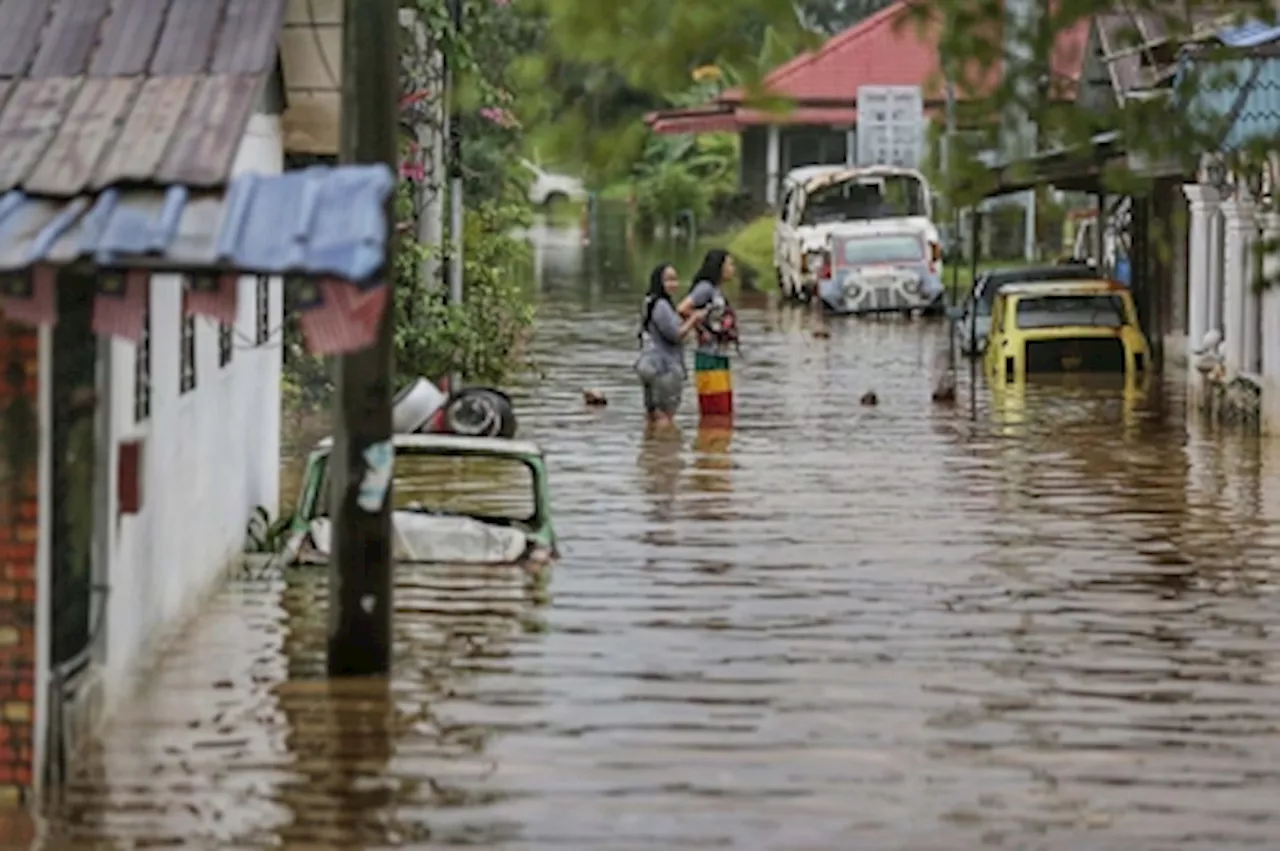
456, 500
972, 319
888, 270
1067, 326
822, 202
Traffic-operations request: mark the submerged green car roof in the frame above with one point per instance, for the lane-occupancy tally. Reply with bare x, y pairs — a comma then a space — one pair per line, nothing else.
449, 444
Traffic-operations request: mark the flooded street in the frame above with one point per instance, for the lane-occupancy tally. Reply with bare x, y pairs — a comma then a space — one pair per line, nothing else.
1040, 622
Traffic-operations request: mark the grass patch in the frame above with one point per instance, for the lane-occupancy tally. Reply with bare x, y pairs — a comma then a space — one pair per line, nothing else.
752, 245
619, 191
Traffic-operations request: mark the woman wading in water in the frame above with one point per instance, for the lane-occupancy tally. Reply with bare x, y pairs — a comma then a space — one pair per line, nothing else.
662, 332
716, 332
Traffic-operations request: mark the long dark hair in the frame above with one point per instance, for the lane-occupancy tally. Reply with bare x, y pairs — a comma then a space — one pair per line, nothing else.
657, 292
712, 268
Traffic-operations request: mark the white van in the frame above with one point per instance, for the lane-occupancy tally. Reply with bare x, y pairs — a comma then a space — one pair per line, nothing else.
818, 201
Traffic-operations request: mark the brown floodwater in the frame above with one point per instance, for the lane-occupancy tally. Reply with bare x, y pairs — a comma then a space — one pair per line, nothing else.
1041, 620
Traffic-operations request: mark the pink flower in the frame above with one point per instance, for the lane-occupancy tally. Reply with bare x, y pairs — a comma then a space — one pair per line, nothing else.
499, 116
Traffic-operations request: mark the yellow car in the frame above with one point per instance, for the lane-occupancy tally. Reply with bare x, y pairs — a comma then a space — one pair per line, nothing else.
1065, 326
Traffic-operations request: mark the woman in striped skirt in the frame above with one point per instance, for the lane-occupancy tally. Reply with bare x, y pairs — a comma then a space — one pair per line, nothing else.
715, 334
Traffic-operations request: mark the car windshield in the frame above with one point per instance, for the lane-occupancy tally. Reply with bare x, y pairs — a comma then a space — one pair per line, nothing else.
497, 487
891, 196
893, 248
1100, 311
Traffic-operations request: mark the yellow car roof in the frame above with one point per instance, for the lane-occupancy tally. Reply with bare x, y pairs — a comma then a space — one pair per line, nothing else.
1064, 288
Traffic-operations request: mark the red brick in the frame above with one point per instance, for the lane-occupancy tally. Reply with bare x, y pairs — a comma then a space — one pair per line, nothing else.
20, 570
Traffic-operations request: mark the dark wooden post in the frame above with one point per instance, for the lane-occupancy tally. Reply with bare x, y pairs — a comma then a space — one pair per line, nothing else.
360, 567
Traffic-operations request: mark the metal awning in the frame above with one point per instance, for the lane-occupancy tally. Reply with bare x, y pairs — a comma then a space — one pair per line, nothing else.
317, 222
1077, 168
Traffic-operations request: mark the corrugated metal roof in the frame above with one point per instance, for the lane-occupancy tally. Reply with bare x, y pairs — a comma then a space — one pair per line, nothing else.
326, 222
95, 93
1254, 99
1249, 34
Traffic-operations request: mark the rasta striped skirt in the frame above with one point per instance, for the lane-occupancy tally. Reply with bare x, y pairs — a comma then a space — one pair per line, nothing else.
714, 383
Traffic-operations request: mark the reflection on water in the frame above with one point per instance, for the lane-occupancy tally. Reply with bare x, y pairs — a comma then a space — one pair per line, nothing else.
1044, 625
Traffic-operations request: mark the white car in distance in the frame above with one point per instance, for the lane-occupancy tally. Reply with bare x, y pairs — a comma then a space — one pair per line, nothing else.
549, 188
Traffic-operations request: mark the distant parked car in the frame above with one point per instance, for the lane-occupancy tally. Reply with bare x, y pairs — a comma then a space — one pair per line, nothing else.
550, 188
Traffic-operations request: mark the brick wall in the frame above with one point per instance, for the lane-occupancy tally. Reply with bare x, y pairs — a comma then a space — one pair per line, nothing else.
18, 534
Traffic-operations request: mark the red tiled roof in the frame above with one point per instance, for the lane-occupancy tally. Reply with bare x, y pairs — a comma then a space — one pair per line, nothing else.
887, 48
713, 118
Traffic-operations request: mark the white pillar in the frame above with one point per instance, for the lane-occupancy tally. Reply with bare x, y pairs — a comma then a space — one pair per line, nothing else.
1202, 201
1215, 266
772, 165
1238, 222
1252, 307
850, 147
1270, 342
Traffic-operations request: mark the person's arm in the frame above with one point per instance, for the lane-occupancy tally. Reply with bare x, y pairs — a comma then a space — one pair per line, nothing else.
667, 323
699, 297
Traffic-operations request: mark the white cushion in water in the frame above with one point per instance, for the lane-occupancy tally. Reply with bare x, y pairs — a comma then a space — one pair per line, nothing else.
436, 538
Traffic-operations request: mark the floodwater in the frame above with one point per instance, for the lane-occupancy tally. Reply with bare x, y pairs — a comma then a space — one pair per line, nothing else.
1041, 621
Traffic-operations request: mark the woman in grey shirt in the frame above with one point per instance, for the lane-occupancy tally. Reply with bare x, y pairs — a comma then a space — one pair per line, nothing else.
662, 333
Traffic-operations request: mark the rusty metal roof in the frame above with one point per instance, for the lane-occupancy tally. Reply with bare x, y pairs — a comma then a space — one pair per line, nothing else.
100, 93
319, 221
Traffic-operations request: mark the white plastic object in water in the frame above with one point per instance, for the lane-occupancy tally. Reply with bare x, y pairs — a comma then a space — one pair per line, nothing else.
415, 405
437, 539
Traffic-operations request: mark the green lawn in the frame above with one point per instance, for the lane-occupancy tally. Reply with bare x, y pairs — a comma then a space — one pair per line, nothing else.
752, 245
619, 191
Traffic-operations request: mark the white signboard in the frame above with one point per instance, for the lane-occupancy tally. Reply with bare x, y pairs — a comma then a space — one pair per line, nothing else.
890, 125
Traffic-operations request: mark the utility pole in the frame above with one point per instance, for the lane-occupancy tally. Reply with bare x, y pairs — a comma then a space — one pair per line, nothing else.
455, 180
360, 566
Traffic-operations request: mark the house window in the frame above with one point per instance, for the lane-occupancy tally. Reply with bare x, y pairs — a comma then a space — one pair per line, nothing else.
142, 372
187, 370
225, 344
264, 310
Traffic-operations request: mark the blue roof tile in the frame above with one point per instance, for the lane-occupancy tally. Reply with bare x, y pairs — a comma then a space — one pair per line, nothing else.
321, 222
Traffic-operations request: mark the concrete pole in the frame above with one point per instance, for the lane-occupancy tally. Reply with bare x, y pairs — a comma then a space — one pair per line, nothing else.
360, 567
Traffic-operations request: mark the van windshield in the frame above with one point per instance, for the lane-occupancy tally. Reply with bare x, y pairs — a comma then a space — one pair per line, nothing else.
867, 197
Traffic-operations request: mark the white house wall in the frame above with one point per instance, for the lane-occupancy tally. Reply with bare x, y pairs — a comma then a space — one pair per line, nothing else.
209, 456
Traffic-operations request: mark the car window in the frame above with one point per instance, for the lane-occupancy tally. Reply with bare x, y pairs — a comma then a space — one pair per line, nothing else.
1098, 311
787, 197
497, 487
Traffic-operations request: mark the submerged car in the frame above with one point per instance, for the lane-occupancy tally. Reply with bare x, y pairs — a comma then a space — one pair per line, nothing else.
880, 271
972, 319
456, 500
1068, 326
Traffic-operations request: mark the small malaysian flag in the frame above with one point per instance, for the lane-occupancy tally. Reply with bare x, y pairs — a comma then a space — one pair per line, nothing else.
120, 304
213, 296
345, 318
30, 299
